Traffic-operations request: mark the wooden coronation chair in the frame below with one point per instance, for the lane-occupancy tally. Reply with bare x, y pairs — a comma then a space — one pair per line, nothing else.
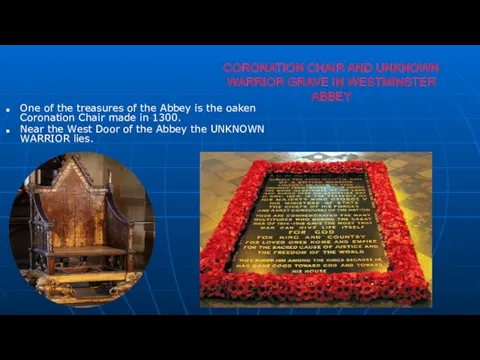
78, 235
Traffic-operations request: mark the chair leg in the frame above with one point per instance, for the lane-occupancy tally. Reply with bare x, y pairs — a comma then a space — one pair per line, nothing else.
129, 263
30, 257
51, 265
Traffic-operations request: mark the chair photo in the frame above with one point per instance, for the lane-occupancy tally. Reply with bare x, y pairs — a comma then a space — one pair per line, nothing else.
78, 236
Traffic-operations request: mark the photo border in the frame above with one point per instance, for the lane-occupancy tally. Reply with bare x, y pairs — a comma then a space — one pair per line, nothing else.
403, 282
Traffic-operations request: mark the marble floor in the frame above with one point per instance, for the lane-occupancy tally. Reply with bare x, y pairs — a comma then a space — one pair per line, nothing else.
410, 175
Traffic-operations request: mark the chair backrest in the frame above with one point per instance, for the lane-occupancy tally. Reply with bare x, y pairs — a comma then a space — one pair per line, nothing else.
74, 205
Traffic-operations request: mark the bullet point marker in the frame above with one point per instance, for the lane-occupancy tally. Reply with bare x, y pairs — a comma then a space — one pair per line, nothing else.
7, 110
7, 131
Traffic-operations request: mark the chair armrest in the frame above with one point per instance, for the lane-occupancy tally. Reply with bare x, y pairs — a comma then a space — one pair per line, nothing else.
112, 206
40, 226
119, 228
41, 217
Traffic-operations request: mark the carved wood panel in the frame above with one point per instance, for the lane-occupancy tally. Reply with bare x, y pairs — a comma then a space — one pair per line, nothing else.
77, 212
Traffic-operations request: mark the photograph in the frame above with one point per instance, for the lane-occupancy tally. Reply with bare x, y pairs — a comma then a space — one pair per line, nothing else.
316, 229
82, 229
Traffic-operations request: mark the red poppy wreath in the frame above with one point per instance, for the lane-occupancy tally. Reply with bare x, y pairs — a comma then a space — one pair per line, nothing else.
403, 281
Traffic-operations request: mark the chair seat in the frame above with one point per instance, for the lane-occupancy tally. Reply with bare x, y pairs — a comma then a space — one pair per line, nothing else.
88, 251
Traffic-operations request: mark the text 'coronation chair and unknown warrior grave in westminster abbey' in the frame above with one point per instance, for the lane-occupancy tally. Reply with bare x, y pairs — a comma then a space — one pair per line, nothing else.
78, 236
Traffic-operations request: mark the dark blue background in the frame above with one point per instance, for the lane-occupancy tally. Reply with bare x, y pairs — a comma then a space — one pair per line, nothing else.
444, 120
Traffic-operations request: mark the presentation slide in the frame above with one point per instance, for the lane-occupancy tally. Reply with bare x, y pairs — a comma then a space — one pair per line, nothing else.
239, 180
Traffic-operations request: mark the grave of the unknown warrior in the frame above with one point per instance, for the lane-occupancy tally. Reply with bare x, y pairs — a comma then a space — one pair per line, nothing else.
313, 232
312, 223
